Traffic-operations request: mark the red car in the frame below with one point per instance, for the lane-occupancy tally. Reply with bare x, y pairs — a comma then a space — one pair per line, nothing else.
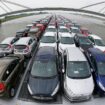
84, 31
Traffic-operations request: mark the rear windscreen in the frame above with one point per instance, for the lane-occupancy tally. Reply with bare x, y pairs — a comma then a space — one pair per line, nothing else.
3, 45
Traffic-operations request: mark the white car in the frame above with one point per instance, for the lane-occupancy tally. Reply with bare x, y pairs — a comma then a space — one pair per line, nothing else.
48, 39
63, 29
7, 45
51, 29
97, 42
29, 26
74, 30
25, 46
78, 80
65, 40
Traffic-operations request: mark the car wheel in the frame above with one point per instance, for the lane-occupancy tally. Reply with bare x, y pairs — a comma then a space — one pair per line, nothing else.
12, 92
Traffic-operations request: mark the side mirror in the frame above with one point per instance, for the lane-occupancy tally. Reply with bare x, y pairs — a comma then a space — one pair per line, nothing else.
70, 31
58, 41
63, 71
92, 70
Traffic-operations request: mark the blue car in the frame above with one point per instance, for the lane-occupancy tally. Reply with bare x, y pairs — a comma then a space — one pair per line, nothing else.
97, 61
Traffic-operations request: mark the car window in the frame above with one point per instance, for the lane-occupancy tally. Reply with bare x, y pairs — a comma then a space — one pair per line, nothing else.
91, 39
9, 69
30, 42
14, 40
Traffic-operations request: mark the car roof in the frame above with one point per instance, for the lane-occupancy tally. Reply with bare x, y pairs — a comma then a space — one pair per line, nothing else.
49, 34
97, 53
75, 54
81, 35
65, 34
29, 25
46, 53
51, 26
62, 27
84, 28
74, 27
22, 30
7, 40
23, 41
95, 36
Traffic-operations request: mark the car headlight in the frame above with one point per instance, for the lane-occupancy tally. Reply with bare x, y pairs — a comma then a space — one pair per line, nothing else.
30, 91
55, 90
101, 86
81, 49
69, 91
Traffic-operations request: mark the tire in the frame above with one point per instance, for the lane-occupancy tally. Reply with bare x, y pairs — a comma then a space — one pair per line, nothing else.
12, 92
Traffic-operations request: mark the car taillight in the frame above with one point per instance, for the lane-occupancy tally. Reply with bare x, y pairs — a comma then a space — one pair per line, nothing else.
9, 46
2, 87
26, 49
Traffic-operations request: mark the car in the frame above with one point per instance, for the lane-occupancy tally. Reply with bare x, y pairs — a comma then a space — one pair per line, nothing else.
7, 45
48, 39
78, 80
35, 33
65, 40
44, 80
22, 33
63, 29
25, 46
84, 31
74, 30
2, 55
11, 67
97, 41
97, 60
29, 26
41, 27
51, 29
82, 42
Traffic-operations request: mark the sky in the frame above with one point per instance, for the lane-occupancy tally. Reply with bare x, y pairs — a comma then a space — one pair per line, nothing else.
53, 3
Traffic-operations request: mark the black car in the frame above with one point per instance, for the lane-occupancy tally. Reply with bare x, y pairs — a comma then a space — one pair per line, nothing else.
22, 33
83, 42
44, 79
11, 67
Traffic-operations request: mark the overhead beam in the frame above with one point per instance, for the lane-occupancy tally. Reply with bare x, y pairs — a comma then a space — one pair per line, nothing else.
16, 4
2, 1
92, 5
3, 9
102, 9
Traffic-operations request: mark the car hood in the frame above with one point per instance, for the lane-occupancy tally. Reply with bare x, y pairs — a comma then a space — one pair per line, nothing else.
64, 46
41, 86
80, 86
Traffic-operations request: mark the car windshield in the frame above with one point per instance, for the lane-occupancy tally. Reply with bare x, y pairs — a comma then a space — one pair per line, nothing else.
63, 30
67, 40
101, 68
51, 30
84, 40
44, 69
75, 30
99, 42
78, 69
48, 39
3, 45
